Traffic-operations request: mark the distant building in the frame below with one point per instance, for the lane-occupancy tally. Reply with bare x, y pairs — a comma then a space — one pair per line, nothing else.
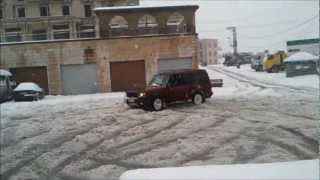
208, 51
38, 20
306, 45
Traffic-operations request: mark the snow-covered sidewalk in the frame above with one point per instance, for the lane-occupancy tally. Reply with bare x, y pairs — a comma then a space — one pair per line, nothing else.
306, 81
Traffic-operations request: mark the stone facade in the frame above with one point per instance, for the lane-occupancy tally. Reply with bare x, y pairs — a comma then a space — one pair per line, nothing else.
54, 54
170, 35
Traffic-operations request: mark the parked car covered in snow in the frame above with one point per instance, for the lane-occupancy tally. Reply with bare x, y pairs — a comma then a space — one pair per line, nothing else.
5, 85
172, 86
28, 91
301, 63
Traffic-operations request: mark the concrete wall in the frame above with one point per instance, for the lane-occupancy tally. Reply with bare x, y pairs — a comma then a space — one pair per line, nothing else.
55, 54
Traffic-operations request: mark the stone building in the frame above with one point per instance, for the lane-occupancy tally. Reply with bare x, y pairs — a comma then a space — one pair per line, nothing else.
208, 50
134, 44
34, 20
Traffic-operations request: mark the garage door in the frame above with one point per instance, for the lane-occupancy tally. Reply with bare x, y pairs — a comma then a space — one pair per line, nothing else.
173, 64
79, 79
127, 75
32, 74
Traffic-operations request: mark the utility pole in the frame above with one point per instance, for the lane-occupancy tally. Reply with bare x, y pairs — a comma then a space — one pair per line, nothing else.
235, 44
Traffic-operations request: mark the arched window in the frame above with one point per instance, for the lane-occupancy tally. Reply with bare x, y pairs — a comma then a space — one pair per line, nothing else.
176, 23
118, 26
147, 24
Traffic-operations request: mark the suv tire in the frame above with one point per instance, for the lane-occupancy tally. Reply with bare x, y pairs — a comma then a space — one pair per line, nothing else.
197, 99
157, 104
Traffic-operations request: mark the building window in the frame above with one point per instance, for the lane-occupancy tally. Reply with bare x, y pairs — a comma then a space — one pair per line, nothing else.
87, 10
13, 35
21, 12
39, 35
176, 23
86, 31
65, 10
1, 15
147, 24
118, 26
89, 56
61, 31
210, 54
44, 10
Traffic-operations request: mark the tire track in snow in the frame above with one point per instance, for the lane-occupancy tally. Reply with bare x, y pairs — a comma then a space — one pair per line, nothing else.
35, 151
122, 157
299, 153
311, 143
69, 159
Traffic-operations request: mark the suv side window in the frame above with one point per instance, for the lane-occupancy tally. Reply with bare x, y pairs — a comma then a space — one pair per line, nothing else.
202, 78
176, 80
188, 79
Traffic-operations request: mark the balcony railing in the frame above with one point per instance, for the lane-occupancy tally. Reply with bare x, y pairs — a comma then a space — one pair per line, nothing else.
118, 32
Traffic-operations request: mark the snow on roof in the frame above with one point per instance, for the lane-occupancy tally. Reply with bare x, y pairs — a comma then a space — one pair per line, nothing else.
301, 56
5, 73
305, 169
27, 86
141, 7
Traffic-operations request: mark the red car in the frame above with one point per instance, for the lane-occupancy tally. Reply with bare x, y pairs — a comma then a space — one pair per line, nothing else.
172, 86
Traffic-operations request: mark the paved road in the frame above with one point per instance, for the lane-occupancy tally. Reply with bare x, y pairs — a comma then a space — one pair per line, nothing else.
98, 138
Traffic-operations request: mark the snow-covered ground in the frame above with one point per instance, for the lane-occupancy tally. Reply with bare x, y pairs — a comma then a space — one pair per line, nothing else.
98, 137
307, 81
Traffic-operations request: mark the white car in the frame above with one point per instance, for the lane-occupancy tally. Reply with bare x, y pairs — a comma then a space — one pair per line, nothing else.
27, 91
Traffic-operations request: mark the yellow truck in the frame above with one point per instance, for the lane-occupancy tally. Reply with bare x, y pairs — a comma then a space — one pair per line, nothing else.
274, 62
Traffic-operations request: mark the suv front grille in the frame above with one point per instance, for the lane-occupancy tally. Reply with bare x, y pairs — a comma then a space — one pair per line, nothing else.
132, 94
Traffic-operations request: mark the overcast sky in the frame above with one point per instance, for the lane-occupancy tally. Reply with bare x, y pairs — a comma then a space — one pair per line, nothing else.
260, 24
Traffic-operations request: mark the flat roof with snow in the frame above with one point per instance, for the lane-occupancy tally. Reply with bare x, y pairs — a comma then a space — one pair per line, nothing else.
301, 56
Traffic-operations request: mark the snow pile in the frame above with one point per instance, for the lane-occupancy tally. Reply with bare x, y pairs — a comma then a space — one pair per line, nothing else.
307, 169
301, 56
5, 73
28, 86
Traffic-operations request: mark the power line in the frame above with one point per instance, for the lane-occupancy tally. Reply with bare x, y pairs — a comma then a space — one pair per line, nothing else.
281, 32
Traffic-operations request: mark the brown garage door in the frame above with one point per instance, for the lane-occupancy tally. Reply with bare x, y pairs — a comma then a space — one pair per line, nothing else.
127, 75
31, 74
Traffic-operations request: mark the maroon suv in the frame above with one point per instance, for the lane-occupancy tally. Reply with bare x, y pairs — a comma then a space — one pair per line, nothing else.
172, 86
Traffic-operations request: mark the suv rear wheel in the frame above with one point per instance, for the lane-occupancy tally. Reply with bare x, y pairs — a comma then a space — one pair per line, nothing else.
157, 104
197, 99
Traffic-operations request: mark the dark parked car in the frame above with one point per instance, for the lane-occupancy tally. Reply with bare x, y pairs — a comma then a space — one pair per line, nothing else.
6, 85
27, 91
172, 86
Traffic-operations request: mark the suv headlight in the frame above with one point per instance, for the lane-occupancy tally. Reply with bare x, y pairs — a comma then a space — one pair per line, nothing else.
142, 94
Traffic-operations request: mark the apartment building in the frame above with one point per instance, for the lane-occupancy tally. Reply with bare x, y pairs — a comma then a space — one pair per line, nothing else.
38, 20
208, 50
133, 44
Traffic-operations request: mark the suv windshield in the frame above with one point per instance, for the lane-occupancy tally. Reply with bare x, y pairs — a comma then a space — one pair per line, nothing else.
159, 80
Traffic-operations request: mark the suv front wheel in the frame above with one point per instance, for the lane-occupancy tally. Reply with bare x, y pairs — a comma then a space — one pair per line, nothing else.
157, 104
197, 99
